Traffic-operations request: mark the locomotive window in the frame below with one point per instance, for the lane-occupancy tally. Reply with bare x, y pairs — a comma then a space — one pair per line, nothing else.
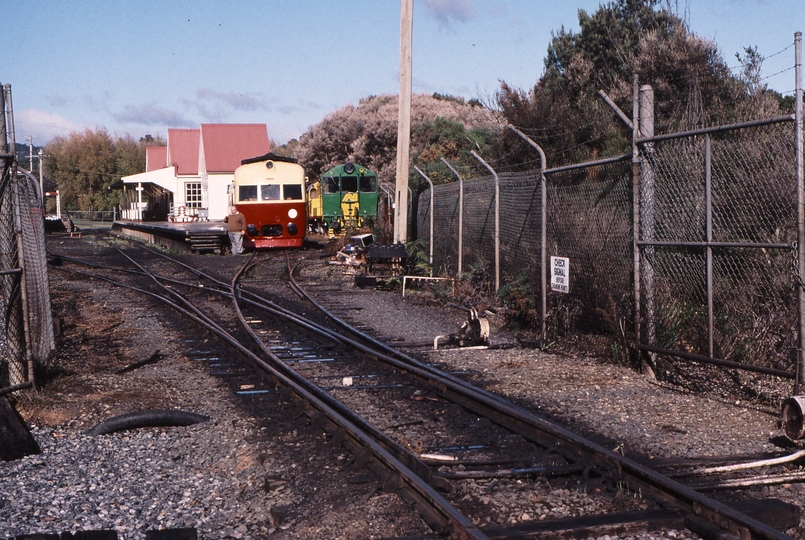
368, 184
292, 192
330, 184
270, 193
247, 193
349, 183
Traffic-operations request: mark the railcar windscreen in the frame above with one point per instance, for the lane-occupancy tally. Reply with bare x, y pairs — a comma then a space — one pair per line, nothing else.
270, 192
292, 192
247, 193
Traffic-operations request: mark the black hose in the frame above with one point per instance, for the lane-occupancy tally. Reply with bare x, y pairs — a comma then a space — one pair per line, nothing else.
146, 419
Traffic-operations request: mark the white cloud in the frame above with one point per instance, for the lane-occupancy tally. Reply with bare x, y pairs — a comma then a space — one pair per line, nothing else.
242, 101
152, 114
445, 11
42, 125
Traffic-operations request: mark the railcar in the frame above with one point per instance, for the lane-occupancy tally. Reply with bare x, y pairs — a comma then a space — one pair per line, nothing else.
269, 191
345, 197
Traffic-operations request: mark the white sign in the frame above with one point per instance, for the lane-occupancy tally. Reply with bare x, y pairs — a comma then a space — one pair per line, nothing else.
560, 274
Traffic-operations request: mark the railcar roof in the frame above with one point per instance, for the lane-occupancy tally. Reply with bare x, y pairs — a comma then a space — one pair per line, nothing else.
266, 157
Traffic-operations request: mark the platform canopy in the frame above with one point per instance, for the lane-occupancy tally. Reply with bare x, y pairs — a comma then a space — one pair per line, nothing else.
164, 178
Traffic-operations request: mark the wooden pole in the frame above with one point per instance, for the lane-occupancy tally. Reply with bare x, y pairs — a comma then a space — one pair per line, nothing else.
404, 125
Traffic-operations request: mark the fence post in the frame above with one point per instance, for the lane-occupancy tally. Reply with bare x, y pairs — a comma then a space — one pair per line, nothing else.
543, 249
645, 127
800, 377
389, 204
497, 218
23, 283
460, 217
708, 203
430, 242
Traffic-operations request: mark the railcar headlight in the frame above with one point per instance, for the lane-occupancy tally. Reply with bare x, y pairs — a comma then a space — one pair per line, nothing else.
251, 230
292, 213
292, 229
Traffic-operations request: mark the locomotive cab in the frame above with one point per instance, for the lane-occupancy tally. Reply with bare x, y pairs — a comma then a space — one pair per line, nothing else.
345, 197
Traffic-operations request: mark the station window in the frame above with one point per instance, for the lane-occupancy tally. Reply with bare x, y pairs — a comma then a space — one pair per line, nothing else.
270, 193
292, 192
247, 193
368, 184
192, 194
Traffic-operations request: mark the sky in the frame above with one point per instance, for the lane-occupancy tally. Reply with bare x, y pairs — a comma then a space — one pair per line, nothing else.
137, 68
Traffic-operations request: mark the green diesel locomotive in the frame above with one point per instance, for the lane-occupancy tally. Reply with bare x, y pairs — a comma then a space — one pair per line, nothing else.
344, 198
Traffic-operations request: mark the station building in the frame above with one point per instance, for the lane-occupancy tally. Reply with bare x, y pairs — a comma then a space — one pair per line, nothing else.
189, 179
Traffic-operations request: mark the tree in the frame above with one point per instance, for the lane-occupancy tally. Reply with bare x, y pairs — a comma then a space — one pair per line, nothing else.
86, 164
448, 139
693, 86
367, 134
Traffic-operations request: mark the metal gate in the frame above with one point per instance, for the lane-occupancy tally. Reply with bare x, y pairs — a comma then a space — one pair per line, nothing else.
717, 245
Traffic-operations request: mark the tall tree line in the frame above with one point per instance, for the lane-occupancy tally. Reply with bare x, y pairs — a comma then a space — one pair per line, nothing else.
86, 164
693, 85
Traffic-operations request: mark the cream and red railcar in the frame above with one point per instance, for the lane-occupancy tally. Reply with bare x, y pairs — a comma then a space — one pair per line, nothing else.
269, 191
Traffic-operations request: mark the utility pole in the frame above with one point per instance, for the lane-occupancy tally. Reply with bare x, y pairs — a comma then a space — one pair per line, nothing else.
41, 182
404, 124
30, 154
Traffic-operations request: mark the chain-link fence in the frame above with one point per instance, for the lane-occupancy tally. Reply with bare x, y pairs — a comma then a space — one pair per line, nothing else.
25, 301
717, 240
27, 337
588, 216
715, 245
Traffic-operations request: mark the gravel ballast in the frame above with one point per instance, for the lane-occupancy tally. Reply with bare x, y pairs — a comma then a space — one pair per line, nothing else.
243, 475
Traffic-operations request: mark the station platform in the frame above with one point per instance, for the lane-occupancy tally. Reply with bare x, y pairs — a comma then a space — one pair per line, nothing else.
195, 236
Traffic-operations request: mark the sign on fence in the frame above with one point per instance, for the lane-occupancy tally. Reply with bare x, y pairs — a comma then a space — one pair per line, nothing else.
560, 274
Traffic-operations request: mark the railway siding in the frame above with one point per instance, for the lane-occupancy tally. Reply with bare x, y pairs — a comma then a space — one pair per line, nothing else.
290, 485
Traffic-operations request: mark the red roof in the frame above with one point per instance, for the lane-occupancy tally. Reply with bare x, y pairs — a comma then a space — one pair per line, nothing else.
225, 145
156, 157
183, 150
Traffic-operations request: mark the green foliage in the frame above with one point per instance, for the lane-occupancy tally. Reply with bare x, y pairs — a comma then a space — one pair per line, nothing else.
451, 140
417, 251
607, 40
367, 134
288, 149
520, 300
693, 86
475, 286
86, 164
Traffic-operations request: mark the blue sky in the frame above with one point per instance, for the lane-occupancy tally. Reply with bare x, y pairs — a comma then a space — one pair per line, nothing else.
142, 67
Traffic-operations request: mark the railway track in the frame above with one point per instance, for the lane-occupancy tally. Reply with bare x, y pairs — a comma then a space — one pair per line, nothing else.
483, 435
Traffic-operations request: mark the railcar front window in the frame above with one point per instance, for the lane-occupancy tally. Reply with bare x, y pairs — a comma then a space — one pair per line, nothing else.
349, 183
292, 192
330, 184
270, 193
247, 193
368, 184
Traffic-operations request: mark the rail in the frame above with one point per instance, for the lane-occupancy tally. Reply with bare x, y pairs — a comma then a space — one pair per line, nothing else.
565, 442
483, 403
